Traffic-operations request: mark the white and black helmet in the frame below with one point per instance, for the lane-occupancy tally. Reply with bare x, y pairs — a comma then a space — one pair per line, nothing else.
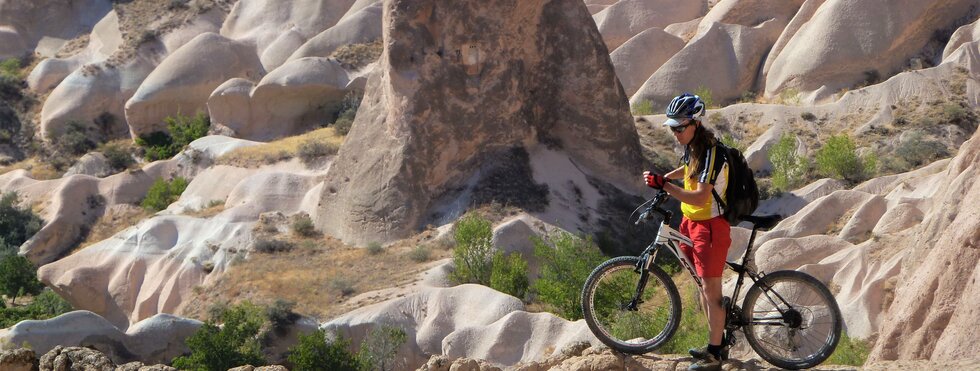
684, 106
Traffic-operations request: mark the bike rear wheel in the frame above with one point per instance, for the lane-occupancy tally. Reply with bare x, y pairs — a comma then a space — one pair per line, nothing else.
614, 318
792, 320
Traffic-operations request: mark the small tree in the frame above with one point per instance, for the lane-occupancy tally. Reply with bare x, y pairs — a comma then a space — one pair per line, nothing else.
163, 193
314, 353
838, 159
787, 168
18, 277
472, 256
509, 274
234, 344
16, 224
566, 262
379, 349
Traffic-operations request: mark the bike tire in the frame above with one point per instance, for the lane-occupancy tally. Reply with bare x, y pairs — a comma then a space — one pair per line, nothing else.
810, 338
610, 287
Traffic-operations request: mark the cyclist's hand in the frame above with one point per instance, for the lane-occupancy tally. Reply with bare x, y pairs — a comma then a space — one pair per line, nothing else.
654, 180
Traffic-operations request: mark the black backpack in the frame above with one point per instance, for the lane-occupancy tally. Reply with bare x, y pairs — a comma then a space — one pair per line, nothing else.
742, 193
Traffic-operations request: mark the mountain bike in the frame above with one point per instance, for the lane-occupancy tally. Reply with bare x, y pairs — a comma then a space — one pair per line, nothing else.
631, 304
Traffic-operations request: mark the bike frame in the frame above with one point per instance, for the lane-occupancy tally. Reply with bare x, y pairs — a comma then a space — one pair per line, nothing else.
670, 239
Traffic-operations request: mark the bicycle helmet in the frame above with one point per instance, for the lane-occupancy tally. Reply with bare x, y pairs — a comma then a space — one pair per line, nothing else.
684, 106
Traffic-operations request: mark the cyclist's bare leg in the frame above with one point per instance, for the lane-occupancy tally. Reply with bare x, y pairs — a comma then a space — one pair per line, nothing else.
711, 298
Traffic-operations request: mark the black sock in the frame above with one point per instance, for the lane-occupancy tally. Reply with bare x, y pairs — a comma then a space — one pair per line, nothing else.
715, 350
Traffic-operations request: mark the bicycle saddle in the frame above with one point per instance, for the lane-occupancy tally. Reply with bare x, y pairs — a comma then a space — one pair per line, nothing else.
763, 221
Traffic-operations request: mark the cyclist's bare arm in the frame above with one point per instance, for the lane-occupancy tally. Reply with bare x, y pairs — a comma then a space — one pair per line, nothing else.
676, 174
699, 196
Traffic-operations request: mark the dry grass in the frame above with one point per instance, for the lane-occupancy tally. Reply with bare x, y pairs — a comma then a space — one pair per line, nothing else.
38, 169
143, 21
356, 56
279, 150
321, 276
213, 208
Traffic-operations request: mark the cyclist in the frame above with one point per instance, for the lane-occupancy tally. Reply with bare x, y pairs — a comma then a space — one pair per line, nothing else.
703, 168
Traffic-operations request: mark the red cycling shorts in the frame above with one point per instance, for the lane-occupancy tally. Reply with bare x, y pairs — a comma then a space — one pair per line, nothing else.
711, 239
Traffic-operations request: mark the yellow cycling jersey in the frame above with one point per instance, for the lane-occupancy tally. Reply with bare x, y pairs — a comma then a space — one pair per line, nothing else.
716, 173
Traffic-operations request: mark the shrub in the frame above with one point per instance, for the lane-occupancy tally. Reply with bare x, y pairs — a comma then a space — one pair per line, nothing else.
303, 226
163, 193
183, 130
375, 248
380, 347
788, 169
472, 256
280, 314
914, 152
74, 141
642, 108
705, 94
17, 224
420, 254
566, 261
270, 246
312, 150
344, 286
692, 331
509, 274
18, 277
790, 96
46, 305
838, 159
808, 116
232, 345
729, 140
851, 352
10, 67
118, 157
346, 113
314, 353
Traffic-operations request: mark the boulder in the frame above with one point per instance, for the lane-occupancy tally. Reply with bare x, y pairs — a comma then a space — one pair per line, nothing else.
182, 83
75, 358
641, 56
300, 95
823, 55
429, 317
45, 25
262, 23
21, 359
517, 337
360, 27
505, 98
230, 106
104, 40
963, 35
157, 339
626, 18
736, 53
752, 12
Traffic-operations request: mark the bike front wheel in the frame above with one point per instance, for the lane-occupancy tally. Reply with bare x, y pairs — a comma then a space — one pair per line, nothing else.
629, 310
792, 320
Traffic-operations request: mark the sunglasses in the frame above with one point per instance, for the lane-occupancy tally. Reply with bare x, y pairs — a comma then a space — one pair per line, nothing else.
681, 128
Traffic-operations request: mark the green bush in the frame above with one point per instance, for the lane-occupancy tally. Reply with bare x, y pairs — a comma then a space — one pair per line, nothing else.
566, 262
46, 305
18, 277
375, 248
163, 193
705, 94
509, 274
420, 254
730, 141
808, 116
74, 140
346, 113
303, 226
913, 152
788, 169
851, 352
313, 150
693, 329
17, 224
10, 67
270, 246
314, 353
221, 348
118, 157
280, 314
379, 349
838, 159
642, 108
182, 131
473, 254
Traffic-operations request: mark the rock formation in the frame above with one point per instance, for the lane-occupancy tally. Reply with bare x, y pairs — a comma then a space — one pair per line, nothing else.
44, 26
448, 96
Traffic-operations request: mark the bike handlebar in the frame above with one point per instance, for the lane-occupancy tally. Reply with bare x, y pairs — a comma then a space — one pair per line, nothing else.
654, 207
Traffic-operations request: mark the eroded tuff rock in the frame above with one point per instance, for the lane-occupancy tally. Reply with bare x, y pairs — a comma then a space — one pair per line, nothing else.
460, 84
45, 25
